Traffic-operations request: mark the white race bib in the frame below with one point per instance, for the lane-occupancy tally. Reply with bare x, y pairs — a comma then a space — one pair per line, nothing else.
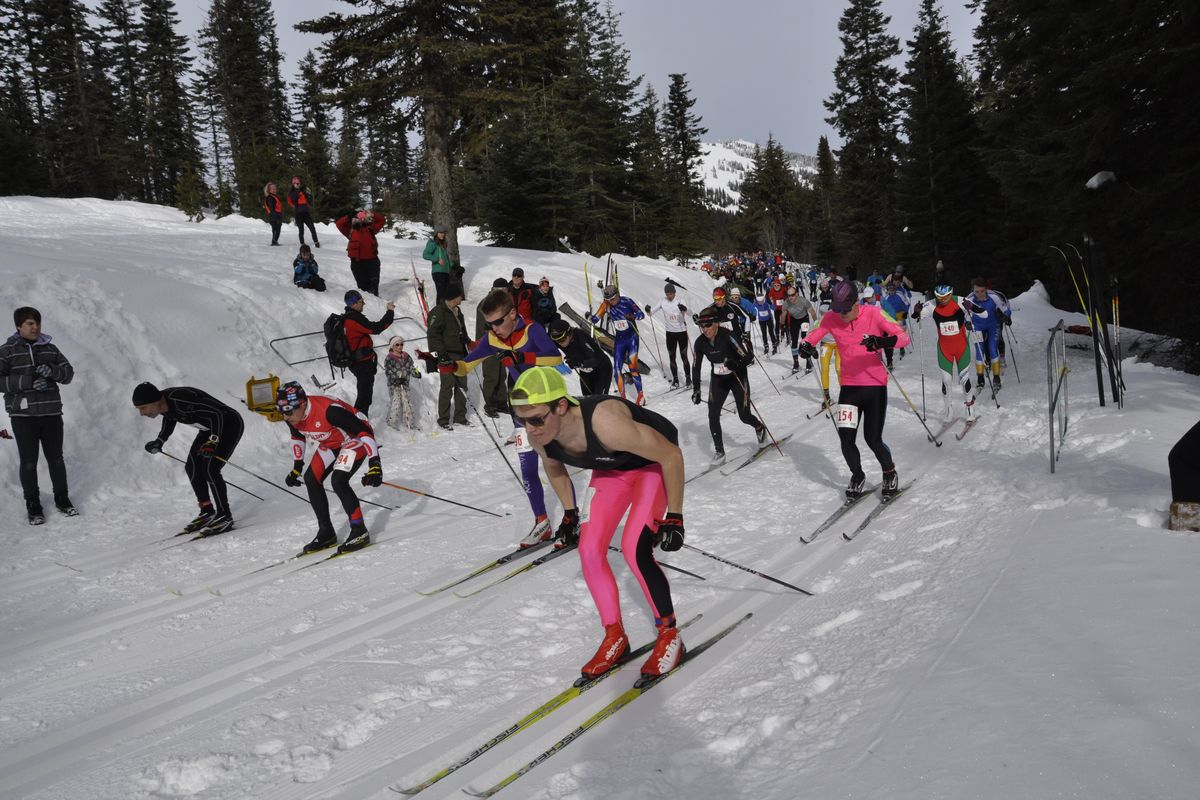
345, 460
721, 369
845, 416
521, 441
585, 510
948, 328
621, 324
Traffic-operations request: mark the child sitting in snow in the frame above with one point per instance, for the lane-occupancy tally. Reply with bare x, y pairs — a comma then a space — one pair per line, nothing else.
399, 367
305, 271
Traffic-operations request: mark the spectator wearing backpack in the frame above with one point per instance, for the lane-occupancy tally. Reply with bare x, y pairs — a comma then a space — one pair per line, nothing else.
304, 271
359, 330
360, 228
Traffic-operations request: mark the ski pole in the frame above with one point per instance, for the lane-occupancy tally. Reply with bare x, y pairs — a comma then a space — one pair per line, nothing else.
1012, 346
986, 365
444, 500
665, 565
499, 449
231, 483
768, 375
896, 381
747, 569
746, 392
293, 494
657, 349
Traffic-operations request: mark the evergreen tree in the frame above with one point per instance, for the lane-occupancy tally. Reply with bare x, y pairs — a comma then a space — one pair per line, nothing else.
21, 169
942, 191
682, 235
313, 155
241, 44
119, 42
446, 57
768, 216
825, 251
172, 150
864, 108
648, 193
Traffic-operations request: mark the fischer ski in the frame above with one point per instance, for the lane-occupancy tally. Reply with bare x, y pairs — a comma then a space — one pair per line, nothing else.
643, 685
581, 685
841, 511
499, 562
537, 562
757, 454
876, 511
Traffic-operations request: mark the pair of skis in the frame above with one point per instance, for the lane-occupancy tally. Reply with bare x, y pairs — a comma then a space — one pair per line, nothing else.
642, 685
849, 505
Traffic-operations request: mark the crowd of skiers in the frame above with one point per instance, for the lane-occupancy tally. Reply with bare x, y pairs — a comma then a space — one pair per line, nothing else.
522, 343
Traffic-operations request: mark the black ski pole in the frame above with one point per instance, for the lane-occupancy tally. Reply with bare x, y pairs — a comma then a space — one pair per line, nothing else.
1012, 347
746, 392
747, 569
665, 565
442, 499
499, 449
293, 494
231, 483
916, 413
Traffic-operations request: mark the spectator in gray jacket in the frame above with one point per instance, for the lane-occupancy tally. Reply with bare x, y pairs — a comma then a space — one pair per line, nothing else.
31, 369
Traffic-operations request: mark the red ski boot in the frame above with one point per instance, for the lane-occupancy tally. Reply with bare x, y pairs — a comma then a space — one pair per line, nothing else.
612, 649
668, 650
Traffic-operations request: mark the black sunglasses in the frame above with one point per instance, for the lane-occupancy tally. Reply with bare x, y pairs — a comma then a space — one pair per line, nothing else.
536, 422
491, 323
706, 324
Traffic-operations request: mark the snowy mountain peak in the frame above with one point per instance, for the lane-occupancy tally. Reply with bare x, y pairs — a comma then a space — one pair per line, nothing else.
726, 162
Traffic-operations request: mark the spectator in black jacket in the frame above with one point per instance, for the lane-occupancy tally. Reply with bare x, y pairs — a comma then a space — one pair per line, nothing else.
31, 369
522, 295
545, 309
584, 355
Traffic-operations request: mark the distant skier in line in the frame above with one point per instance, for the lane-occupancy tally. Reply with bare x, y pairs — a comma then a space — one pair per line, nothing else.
860, 332
987, 319
799, 315
344, 439
220, 429
623, 313
520, 345
675, 321
765, 312
637, 466
730, 361
953, 358
584, 355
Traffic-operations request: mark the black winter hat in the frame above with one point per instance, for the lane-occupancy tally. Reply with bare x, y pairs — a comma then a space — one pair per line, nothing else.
499, 283
145, 393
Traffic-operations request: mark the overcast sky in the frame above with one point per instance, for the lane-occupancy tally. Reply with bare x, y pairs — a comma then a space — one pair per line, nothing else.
754, 66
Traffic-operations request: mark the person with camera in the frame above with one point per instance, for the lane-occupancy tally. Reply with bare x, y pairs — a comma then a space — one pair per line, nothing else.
360, 229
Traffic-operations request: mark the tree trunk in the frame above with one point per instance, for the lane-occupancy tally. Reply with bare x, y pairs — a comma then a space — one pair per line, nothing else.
437, 157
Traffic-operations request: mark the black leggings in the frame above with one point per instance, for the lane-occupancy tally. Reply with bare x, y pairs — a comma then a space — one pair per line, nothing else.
302, 219
678, 339
364, 377
794, 324
768, 332
871, 402
1184, 463
44, 433
366, 274
276, 221
315, 475
206, 472
718, 389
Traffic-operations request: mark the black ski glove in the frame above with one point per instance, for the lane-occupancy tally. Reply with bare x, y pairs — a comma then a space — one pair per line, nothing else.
294, 477
670, 532
154, 446
568, 529
374, 476
873, 343
807, 350
696, 396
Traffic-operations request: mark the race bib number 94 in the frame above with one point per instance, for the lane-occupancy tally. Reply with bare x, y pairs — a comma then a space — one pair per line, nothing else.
948, 328
845, 416
345, 460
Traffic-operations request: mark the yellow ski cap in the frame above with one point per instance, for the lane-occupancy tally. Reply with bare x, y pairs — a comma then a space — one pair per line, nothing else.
538, 385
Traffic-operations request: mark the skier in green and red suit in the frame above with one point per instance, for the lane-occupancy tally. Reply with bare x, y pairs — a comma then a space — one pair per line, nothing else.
520, 345
953, 356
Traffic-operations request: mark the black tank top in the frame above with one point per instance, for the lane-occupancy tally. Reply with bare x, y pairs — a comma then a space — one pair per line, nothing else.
595, 456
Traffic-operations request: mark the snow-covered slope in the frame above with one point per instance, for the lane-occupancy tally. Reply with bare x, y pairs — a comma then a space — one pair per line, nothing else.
999, 633
725, 164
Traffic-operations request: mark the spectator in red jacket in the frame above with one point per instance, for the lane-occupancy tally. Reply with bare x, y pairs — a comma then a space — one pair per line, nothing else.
274, 208
300, 200
360, 228
522, 294
358, 336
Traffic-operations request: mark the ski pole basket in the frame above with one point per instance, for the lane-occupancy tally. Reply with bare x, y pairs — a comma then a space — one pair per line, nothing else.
260, 397
1056, 388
